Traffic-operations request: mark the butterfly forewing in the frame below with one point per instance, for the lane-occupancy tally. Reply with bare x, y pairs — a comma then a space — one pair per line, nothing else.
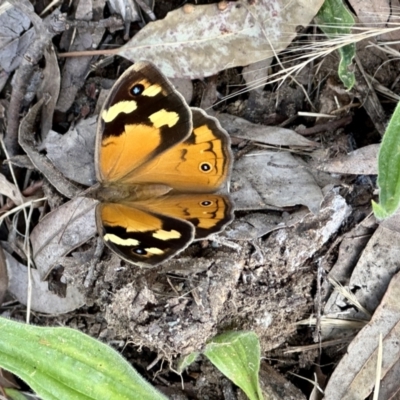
142, 117
201, 163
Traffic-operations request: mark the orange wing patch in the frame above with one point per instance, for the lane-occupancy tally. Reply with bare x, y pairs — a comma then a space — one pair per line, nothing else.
207, 212
121, 154
131, 219
199, 164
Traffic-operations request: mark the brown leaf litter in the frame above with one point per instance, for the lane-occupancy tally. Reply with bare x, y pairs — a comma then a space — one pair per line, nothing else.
302, 203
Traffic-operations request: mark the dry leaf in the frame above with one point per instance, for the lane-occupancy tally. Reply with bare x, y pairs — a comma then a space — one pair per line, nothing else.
198, 41
184, 87
73, 153
3, 276
351, 247
256, 225
256, 74
277, 386
354, 377
125, 8
11, 54
393, 222
377, 14
75, 69
42, 300
49, 86
251, 226
61, 231
370, 278
264, 179
13, 24
362, 161
273, 135
9, 190
41, 162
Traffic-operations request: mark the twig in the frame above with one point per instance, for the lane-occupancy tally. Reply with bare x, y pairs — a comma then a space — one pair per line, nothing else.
327, 126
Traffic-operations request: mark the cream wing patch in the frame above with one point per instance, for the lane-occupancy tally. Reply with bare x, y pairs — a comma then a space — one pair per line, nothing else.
121, 107
152, 91
110, 237
154, 250
166, 235
164, 117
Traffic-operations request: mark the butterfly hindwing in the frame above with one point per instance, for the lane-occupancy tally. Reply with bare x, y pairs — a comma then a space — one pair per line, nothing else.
201, 163
140, 236
152, 231
208, 213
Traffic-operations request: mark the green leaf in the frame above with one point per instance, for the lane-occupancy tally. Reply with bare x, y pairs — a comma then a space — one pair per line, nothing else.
62, 363
184, 362
389, 169
14, 394
237, 356
334, 19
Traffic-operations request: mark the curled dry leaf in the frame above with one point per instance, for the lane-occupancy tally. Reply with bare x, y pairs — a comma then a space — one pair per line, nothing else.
202, 40
61, 231
273, 135
41, 162
42, 300
351, 247
9, 190
256, 225
73, 153
354, 377
362, 161
264, 179
371, 276
76, 69
184, 87
50, 86
251, 226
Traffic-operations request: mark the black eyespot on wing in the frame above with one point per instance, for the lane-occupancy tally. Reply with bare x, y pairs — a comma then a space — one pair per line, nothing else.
205, 167
206, 203
139, 251
137, 89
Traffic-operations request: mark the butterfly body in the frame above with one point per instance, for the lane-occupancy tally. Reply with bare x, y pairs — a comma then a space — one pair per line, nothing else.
159, 165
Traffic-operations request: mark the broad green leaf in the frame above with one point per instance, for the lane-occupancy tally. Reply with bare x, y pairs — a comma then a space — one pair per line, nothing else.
62, 363
237, 356
184, 362
334, 19
389, 169
14, 394
379, 211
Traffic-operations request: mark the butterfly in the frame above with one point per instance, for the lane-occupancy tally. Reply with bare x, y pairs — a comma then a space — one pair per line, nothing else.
159, 164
